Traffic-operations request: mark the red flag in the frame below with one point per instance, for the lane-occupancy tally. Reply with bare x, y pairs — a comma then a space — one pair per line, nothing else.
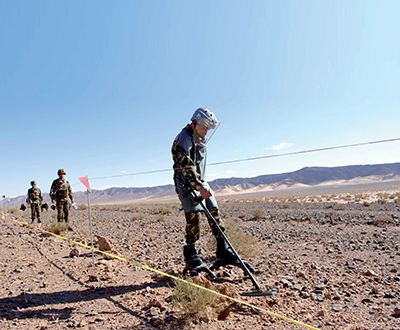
4, 196
85, 182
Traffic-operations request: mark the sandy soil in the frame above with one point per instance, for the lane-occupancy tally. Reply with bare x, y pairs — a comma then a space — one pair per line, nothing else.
334, 262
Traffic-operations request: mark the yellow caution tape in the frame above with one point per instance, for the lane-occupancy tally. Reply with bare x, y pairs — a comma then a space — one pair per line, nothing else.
174, 277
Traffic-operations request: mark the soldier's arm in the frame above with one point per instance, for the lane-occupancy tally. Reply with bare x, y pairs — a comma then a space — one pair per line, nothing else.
40, 196
71, 195
188, 168
53, 191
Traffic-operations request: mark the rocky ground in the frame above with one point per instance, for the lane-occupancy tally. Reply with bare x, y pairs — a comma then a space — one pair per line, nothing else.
334, 262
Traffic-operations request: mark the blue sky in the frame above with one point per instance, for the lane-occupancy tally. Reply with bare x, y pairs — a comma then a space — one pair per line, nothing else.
101, 88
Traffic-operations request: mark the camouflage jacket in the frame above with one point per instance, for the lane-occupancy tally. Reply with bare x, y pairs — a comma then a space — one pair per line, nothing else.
34, 196
60, 190
189, 158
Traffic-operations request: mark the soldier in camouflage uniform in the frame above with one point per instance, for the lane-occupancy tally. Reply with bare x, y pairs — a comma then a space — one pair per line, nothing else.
34, 198
189, 152
61, 193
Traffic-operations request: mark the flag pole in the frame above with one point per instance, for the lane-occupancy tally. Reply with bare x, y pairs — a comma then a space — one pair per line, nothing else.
85, 182
2, 211
90, 225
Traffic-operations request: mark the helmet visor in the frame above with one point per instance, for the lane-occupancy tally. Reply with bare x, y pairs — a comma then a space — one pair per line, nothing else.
204, 133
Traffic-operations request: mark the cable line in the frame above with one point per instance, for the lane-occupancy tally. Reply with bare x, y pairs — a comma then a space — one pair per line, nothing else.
257, 158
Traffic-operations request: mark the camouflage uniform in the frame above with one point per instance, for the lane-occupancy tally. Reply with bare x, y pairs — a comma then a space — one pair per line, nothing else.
61, 192
189, 167
35, 199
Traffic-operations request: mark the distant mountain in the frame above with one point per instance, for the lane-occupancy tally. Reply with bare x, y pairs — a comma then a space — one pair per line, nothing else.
303, 178
312, 176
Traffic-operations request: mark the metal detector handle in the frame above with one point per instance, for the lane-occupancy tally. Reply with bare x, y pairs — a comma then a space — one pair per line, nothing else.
199, 200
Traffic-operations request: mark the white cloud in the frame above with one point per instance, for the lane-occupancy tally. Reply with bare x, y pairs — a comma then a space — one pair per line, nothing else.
230, 172
282, 145
123, 171
107, 187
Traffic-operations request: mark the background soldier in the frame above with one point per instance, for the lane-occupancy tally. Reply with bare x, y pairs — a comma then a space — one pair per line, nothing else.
61, 193
35, 198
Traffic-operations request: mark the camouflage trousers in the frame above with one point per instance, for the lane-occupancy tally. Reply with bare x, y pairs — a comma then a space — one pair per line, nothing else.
62, 210
193, 225
35, 211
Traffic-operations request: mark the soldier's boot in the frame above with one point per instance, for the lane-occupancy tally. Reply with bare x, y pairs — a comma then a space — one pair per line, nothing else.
194, 262
225, 256
39, 221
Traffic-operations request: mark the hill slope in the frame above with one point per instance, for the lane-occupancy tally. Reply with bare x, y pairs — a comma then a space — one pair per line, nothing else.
305, 177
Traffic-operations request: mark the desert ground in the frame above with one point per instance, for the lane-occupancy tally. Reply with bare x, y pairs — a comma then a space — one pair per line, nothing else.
333, 259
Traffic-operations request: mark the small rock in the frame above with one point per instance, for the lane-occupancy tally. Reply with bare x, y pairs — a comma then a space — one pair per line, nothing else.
154, 311
155, 303
337, 307
74, 253
397, 311
223, 315
202, 281
370, 273
93, 278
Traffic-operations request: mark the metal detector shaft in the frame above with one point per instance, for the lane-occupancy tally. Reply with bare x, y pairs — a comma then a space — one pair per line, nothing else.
246, 270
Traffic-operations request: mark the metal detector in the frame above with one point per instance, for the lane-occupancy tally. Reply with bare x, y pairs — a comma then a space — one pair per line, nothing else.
257, 292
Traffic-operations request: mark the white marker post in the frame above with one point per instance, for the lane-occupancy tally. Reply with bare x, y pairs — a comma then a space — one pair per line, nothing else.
85, 182
2, 211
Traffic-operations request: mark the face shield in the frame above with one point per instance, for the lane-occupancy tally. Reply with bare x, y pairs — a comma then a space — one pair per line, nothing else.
203, 133
206, 125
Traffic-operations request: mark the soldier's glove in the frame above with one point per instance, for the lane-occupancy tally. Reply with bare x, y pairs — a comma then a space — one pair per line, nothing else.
206, 192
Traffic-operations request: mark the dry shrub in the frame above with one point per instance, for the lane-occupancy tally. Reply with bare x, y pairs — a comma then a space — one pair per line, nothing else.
366, 203
58, 227
160, 218
14, 210
342, 207
259, 213
380, 220
85, 231
285, 206
245, 244
193, 303
82, 207
165, 209
138, 217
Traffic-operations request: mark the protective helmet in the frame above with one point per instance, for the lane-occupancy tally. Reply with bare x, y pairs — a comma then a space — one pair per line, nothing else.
205, 117
33, 182
61, 171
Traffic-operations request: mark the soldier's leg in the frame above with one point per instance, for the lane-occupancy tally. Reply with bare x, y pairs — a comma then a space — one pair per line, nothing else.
216, 215
59, 205
193, 224
66, 211
32, 212
224, 253
38, 212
